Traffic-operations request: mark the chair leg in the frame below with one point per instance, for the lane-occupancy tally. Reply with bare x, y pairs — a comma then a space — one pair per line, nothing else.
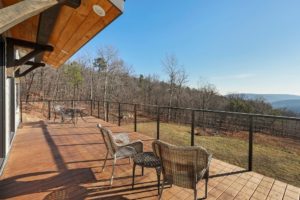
162, 189
158, 179
62, 118
113, 169
133, 175
206, 184
195, 193
104, 162
142, 171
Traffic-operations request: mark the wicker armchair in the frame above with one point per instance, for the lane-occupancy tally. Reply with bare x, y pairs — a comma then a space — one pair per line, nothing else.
183, 166
118, 147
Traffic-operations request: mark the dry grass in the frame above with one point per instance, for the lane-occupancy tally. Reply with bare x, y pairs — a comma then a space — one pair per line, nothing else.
273, 156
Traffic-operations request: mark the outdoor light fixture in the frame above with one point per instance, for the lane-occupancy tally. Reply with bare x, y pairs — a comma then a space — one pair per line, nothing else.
99, 10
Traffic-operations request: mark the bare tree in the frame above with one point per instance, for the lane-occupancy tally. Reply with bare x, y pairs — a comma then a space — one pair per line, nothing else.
182, 79
206, 94
177, 77
108, 64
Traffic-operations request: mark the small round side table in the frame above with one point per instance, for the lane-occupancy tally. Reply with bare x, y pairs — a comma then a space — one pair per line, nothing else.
148, 160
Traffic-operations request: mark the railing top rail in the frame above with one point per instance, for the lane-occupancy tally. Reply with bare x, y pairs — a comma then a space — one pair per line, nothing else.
190, 109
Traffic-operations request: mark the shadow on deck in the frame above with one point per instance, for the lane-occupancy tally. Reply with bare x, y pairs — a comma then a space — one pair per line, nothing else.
60, 161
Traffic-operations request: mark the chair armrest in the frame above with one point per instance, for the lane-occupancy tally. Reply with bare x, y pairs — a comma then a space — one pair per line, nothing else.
121, 138
206, 169
126, 151
137, 145
209, 161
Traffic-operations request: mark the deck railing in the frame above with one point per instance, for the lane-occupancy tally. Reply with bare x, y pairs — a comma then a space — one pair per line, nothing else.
199, 120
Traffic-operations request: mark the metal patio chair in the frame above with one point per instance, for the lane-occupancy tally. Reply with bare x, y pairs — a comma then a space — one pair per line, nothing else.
183, 166
65, 113
118, 147
59, 110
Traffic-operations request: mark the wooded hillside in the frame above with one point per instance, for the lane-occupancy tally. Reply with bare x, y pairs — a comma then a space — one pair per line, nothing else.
108, 78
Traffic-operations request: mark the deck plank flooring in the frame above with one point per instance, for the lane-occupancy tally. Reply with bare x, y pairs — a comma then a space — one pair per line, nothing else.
50, 160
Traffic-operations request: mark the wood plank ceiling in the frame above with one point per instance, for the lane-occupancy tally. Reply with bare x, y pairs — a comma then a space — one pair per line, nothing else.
73, 28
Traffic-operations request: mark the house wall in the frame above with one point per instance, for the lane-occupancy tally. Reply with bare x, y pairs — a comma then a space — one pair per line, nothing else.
7, 115
17, 103
2, 103
9, 107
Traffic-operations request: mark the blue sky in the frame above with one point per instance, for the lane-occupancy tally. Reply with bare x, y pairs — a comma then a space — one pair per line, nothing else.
239, 46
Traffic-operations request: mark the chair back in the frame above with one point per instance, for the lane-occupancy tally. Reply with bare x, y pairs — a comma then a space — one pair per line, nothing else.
181, 165
58, 108
108, 139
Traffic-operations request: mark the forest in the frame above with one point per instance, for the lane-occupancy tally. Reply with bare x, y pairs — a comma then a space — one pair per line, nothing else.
107, 77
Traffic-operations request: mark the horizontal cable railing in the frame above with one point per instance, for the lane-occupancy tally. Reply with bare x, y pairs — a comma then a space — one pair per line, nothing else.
196, 122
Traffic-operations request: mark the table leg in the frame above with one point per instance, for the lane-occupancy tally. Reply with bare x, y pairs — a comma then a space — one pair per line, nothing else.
142, 171
81, 116
73, 117
133, 174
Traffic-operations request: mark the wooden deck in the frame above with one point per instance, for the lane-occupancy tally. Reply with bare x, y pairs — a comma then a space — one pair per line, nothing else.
59, 161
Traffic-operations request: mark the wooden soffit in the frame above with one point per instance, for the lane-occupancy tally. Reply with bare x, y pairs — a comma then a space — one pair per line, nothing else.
72, 29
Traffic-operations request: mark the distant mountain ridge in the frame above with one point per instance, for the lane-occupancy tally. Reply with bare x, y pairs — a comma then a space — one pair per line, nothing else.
293, 105
287, 101
271, 98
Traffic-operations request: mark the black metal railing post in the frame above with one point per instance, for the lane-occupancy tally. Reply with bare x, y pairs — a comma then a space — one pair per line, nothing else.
21, 111
49, 109
91, 104
73, 104
107, 110
135, 118
119, 114
193, 129
158, 122
250, 154
98, 109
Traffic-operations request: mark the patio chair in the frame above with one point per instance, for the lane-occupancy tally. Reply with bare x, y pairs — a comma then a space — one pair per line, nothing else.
183, 166
59, 110
118, 147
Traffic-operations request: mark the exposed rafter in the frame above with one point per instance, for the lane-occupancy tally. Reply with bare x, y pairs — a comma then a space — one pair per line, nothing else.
47, 23
73, 3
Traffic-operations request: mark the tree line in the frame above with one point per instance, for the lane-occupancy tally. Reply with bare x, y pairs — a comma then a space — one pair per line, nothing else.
107, 77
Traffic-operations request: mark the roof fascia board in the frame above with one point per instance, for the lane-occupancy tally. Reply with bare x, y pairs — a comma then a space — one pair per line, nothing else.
19, 12
119, 4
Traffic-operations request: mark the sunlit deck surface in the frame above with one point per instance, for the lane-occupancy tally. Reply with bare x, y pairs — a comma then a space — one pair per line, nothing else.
60, 161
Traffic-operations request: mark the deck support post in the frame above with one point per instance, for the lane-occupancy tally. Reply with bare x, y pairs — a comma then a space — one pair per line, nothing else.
98, 109
193, 129
250, 153
107, 110
91, 104
158, 123
49, 109
135, 118
119, 114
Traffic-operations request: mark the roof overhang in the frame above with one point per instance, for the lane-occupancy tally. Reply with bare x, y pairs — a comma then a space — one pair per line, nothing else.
66, 25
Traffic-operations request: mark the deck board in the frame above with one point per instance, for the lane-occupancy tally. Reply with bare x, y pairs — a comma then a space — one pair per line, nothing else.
50, 160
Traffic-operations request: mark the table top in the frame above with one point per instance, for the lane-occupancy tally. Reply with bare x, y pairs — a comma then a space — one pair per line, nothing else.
146, 159
74, 109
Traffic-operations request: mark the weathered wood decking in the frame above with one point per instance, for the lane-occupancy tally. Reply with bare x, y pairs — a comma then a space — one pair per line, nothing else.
59, 161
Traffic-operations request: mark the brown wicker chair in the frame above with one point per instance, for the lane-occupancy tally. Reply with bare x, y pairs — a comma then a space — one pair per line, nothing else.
118, 147
183, 166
